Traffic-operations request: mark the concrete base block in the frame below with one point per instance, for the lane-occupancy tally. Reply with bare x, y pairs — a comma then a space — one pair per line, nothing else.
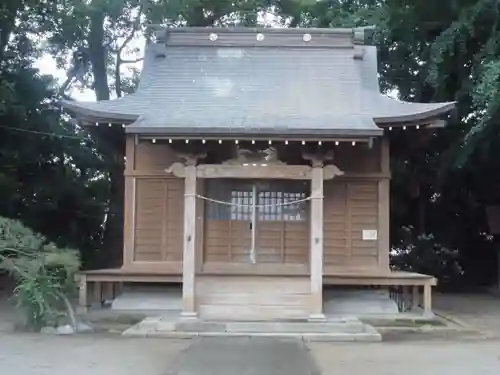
343, 337
189, 316
199, 325
149, 298
316, 318
358, 302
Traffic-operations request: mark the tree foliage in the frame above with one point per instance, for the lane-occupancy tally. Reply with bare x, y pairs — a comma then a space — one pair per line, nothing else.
71, 188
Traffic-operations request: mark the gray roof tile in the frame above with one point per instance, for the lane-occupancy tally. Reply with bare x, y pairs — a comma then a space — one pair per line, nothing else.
204, 89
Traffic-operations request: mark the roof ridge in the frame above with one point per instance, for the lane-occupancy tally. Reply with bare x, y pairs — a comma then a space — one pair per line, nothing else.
261, 36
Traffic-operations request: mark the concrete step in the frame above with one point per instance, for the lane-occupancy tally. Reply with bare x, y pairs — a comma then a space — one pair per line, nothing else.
368, 336
279, 327
346, 330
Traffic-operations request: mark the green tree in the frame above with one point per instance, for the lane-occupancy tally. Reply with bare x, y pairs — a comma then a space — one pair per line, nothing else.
49, 170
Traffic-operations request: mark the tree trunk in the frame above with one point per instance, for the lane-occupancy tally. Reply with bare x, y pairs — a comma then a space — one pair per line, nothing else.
98, 54
113, 234
112, 145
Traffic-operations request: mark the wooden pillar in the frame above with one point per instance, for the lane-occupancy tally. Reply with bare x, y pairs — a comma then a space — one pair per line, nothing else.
98, 293
129, 207
189, 252
83, 294
316, 258
406, 297
427, 299
384, 242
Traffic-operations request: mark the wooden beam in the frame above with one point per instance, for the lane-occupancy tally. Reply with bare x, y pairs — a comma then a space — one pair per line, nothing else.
189, 252
374, 280
265, 139
262, 269
287, 172
167, 267
316, 245
139, 278
160, 174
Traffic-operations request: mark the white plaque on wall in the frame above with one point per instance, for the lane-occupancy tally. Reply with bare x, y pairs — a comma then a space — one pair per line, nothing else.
370, 235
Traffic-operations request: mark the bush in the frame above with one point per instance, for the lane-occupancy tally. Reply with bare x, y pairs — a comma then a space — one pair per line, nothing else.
423, 254
44, 273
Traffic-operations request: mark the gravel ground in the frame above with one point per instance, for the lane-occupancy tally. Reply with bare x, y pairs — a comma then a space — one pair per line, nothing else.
106, 354
30, 354
38, 354
409, 358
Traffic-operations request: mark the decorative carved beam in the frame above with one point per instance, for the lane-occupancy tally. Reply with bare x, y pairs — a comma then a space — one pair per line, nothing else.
191, 159
291, 172
287, 172
330, 171
177, 169
318, 159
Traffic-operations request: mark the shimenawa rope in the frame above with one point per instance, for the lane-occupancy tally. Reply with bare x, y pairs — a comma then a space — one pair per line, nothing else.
280, 204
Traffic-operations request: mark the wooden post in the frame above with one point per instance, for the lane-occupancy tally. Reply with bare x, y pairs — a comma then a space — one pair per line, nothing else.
83, 295
428, 299
406, 296
416, 297
98, 293
129, 207
316, 258
189, 252
384, 208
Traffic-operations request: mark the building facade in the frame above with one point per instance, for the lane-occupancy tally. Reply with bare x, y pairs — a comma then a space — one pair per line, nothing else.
258, 170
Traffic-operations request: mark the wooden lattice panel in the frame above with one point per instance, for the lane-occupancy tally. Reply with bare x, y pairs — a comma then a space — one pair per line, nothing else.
350, 208
159, 223
281, 232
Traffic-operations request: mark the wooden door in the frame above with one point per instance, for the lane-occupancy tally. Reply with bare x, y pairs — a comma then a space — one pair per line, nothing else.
282, 227
228, 221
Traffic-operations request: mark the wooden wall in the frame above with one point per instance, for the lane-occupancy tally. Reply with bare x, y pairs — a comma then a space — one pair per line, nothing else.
358, 201
350, 208
354, 202
358, 159
159, 224
252, 298
154, 207
226, 241
276, 242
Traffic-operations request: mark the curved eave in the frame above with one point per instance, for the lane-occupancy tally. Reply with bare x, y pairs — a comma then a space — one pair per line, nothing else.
413, 113
97, 112
215, 132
